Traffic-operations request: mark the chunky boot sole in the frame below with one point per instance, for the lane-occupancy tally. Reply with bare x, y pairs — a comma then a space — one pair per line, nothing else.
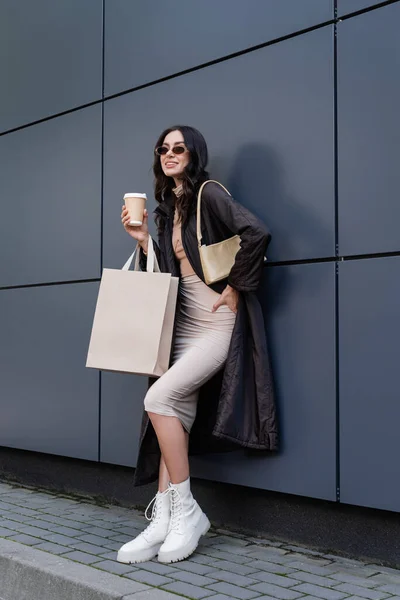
138, 556
188, 549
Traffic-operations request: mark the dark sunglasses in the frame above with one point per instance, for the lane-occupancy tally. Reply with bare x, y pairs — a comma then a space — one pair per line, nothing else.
162, 150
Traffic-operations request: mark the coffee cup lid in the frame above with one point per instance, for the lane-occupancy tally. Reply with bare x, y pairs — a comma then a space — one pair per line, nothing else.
130, 194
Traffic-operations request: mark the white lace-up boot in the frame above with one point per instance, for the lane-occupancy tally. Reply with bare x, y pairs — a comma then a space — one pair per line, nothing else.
147, 544
188, 523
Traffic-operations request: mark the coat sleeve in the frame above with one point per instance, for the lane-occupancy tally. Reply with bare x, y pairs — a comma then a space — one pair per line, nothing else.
246, 272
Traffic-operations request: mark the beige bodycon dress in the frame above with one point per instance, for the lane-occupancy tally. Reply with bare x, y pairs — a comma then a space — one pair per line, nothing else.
201, 344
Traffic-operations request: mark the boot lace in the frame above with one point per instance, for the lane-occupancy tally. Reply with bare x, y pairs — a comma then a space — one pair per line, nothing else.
154, 505
176, 509
154, 509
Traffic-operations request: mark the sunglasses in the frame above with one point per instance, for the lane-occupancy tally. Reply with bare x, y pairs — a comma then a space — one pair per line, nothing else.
162, 150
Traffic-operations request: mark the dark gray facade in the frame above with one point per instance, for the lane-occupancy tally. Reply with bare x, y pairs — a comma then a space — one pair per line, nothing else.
300, 110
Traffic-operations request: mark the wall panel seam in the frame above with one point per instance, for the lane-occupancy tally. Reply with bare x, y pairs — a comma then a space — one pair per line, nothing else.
101, 205
270, 264
201, 66
48, 284
367, 9
336, 200
193, 69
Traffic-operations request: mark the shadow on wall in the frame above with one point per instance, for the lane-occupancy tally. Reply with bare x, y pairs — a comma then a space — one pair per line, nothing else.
257, 177
257, 180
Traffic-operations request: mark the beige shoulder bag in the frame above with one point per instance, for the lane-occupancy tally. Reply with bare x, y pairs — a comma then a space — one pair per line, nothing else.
218, 259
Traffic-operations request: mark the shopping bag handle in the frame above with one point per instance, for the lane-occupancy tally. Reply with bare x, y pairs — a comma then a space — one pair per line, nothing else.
152, 262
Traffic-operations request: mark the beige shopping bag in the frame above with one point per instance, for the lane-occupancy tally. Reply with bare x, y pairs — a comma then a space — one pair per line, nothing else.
134, 319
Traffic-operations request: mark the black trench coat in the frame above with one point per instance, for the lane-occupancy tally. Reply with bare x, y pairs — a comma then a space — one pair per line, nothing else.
236, 407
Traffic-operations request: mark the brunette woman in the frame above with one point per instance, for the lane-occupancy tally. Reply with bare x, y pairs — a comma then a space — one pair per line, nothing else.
205, 321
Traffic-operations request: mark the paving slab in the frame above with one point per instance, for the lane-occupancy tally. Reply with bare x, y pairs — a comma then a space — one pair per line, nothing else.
29, 574
58, 548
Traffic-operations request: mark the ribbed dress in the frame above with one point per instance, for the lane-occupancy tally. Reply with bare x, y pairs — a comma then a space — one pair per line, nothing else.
201, 343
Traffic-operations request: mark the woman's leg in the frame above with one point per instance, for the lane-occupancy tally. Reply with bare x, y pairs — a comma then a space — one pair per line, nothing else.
188, 522
173, 441
163, 476
147, 545
171, 404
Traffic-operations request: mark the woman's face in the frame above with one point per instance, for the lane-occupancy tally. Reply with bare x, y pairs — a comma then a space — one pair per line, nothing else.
172, 164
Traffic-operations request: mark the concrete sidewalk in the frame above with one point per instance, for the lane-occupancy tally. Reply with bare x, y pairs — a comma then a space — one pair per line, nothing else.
58, 547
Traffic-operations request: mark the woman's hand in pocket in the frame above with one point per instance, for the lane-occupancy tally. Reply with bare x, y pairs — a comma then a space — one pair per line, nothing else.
229, 298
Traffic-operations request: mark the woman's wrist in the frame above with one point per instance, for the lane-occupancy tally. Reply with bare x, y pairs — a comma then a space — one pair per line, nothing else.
145, 245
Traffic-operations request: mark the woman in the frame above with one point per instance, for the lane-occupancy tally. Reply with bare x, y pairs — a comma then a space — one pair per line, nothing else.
207, 332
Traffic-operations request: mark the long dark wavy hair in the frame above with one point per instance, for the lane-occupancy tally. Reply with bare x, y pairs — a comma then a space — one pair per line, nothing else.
194, 175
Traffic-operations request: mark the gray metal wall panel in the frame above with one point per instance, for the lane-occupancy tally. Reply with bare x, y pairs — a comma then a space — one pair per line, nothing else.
145, 41
50, 192
345, 7
121, 416
49, 400
369, 132
270, 139
50, 58
299, 301
369, 382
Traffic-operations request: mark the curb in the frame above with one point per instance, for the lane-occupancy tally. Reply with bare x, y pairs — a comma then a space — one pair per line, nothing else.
29, 574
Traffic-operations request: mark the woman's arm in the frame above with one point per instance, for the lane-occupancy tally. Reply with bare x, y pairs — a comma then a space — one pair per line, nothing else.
246, 272
143, 254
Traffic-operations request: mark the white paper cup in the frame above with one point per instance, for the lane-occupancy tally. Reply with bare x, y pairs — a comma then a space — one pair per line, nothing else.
135, 203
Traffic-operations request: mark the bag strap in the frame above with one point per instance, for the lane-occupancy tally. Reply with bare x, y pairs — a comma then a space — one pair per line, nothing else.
198, 225
152, 262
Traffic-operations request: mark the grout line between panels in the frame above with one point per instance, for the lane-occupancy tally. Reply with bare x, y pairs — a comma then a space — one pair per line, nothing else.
328, 259
202, 66
48, 284
365, 10
223, 59
177, 74
287, 263
101, 206
336, 308
102, 145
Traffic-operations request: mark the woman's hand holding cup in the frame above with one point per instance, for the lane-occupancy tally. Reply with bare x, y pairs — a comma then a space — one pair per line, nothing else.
140, 233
